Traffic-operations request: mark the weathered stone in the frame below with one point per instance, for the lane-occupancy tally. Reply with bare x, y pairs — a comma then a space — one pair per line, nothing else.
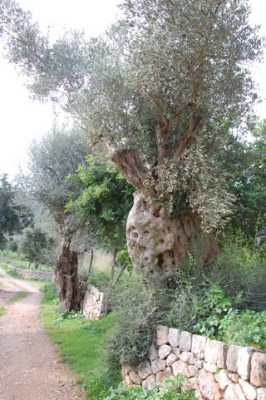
261, 394
198, 345
230, 393
164, 351
231, 359
157, 365
206, 384
239, 393
125, 369
218, 394
144, 369
176, 351
153, 353
223, 379
180, 368
171, 359
210, 367
248, 390
193, 371
234, 377
150, 382
128, 381
258, 369
191, 359
185, 356
185, 341
214, 351
243, 362
135, 378
221, 359
192, 383
173, 337
199, 364
95, 303
162, 334
161, 376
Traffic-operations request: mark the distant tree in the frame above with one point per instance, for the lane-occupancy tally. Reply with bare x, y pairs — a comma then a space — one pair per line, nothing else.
33, 244
51, 162
158, 90
13, 217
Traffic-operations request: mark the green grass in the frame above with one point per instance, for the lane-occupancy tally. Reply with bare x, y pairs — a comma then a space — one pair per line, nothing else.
19, 296
81, 344
18, 260
2, 311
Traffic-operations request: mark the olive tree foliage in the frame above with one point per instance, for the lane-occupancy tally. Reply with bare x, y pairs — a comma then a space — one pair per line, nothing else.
161, 89
52, 161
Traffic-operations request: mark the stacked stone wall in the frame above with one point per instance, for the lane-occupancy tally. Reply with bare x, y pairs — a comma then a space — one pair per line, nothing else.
32, 274
215, 370
94, 303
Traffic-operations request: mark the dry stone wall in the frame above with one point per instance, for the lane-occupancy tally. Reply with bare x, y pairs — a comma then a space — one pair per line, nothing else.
94, 303
32, 274
215, 370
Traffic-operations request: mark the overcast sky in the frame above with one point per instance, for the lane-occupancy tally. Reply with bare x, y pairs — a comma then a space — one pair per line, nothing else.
22, 119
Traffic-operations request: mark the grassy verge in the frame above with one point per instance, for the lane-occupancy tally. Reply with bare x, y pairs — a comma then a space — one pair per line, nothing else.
81, 345
2, 310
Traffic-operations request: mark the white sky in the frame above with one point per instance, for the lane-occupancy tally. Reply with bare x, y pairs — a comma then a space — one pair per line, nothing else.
23, 119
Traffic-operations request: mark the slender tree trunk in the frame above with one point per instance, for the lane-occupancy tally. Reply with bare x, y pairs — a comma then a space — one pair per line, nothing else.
158, 244
91, 261
70, 289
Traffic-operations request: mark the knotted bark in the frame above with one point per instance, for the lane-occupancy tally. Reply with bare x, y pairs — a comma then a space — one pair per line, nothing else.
158, 244
70, 289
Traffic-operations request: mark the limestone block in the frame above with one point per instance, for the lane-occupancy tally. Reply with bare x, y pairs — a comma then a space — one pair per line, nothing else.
258, 369
162, 334
153, 353
171, 359
173, 337
261, 394
215, 352
125, 369
135, 378
164, 351
192, 383
207, 384
180, 368
161, 376
184, 356
193, 371
191, 360
231, 359
230, 393
210, 367
239, 393
234, 377
144, 369
199, 364
95, 303
157, 365
176, 351
243, 362
185, 341
198, 345
223, 379
150, 382
248, 390
128, 381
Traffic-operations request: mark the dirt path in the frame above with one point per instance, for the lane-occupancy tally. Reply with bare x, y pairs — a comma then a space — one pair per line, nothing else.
29, 365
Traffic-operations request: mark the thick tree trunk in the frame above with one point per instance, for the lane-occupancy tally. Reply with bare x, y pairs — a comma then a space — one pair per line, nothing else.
158, 244
70, 289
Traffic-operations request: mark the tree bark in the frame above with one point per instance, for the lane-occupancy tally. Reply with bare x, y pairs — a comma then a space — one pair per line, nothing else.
158, 244
70, 289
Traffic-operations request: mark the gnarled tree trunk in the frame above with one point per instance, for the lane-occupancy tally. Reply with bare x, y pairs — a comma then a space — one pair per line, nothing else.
70, 289
157, 244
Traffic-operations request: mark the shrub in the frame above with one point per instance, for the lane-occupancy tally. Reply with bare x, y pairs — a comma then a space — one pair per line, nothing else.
49, 291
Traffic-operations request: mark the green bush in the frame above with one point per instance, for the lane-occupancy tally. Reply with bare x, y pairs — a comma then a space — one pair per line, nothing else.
50, 294
170, 390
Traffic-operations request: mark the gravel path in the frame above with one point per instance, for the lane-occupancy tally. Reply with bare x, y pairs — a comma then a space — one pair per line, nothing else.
30, 368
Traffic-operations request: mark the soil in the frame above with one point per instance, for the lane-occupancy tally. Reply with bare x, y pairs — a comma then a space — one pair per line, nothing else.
30, 367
